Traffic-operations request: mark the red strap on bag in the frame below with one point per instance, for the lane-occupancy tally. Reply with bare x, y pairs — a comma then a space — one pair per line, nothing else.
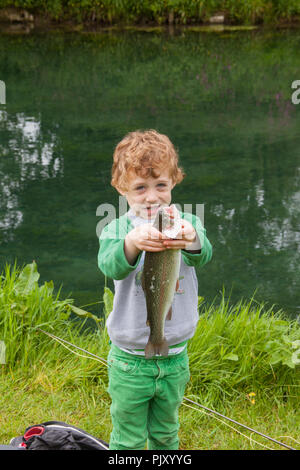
34, 431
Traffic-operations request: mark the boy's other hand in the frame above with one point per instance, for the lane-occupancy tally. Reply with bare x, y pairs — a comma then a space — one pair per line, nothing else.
184, 239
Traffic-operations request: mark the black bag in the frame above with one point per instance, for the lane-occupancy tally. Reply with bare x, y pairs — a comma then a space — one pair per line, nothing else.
56, 435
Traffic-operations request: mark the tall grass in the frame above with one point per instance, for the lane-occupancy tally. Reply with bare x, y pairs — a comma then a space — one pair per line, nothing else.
244, 348
26, 306
237, 349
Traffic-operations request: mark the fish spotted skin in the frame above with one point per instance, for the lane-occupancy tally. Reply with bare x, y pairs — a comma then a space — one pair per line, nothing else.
159, 279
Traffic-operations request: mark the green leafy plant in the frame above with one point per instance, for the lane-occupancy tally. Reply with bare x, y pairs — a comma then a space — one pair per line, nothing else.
24, 305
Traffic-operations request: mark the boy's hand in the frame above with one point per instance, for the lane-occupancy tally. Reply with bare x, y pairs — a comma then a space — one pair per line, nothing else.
146, 238
143, 238
185, 237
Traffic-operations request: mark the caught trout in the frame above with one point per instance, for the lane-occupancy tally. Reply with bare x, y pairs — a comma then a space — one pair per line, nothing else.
159, 281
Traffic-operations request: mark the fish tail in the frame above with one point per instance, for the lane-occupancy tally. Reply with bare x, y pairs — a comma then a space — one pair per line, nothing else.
154, 349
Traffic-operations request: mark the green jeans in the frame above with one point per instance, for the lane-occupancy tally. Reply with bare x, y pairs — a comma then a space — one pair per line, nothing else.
146, 395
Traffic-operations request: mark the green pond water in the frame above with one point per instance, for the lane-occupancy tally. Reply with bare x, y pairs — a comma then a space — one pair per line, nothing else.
224, 99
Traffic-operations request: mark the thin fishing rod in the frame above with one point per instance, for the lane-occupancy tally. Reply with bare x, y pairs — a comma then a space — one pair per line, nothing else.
185, 398
240, 424
73, 345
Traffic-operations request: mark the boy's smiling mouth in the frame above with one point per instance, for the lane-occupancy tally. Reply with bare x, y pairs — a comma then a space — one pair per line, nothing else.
152, 210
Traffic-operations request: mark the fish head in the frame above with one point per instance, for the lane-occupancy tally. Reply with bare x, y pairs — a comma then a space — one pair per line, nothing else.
167, 221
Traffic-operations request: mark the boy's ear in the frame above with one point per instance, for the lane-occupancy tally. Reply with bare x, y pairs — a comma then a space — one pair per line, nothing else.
120, 191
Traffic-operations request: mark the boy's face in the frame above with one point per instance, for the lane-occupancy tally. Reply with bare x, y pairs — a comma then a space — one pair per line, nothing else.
146, 195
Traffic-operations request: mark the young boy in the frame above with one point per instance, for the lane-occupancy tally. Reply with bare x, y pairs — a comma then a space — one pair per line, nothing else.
146, 393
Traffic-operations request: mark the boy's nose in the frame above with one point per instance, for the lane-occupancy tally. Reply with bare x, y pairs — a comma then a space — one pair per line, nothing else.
151, 197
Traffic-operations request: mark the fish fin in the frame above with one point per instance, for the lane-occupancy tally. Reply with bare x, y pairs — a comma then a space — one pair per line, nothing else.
163, 348
169, 314
154, 349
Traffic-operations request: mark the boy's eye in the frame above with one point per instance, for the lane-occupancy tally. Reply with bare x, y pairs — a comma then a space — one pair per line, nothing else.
138, 188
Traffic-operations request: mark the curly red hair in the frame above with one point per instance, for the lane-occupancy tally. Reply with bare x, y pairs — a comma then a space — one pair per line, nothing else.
146, 153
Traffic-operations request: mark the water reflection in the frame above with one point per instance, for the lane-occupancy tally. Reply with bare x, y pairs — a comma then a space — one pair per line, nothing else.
27, 155
224, 101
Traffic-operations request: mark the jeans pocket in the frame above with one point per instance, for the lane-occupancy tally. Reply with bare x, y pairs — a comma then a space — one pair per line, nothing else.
128, 366
182, 366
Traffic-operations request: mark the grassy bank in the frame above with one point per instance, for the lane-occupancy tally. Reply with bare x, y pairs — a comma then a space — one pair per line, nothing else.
243, 361
160, 11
